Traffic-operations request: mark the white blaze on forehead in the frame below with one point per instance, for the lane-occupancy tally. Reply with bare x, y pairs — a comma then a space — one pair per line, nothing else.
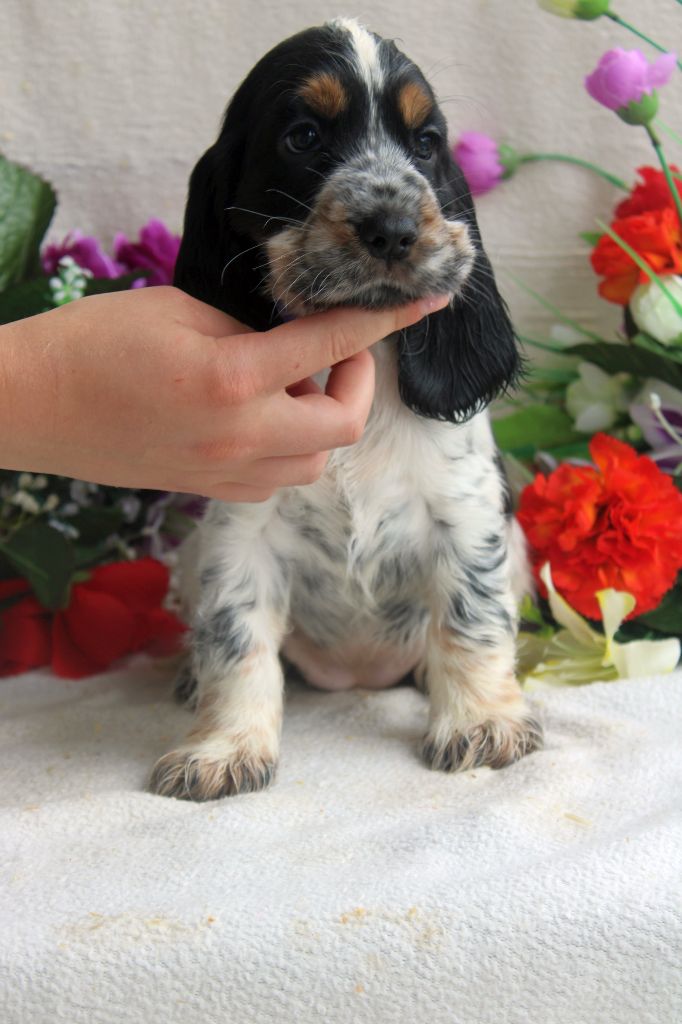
366, 51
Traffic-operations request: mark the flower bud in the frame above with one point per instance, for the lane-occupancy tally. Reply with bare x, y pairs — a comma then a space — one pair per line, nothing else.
655, 314
640, 112
585, 10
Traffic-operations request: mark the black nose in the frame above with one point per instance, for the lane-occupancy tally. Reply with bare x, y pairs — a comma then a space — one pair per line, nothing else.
388, 236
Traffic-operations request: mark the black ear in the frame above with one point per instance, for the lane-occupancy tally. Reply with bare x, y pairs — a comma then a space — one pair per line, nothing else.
198, 266
454, 362
216, 263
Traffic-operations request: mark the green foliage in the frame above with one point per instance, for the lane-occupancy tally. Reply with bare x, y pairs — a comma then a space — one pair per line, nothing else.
537, 427
45, 559
667, 618
634, 359
27, 204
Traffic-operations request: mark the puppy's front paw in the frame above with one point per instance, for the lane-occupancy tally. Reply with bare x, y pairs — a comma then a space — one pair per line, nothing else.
497, 742
191, 775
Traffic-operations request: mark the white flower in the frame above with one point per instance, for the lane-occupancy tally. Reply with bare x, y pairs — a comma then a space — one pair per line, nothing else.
25, 501
70, 283
65, 528
578, 654
565, 334
596, 398
655, 314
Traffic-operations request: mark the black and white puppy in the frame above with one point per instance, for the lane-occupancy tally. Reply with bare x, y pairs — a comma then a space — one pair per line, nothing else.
331, 184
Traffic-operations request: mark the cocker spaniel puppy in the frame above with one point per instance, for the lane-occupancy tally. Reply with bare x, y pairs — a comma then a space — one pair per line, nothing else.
331, 184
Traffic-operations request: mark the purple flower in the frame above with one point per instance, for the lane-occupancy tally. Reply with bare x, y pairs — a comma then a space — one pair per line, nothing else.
625, 76
156, 251
658, 414
85, 251
479, 157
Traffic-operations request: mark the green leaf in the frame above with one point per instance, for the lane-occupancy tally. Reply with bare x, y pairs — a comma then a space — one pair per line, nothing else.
536, 427
27, 204
102, 285
667, 618
96, 524
35, 296
552, 375
591, 237
45, 558
25, 299
631, 359
651, 345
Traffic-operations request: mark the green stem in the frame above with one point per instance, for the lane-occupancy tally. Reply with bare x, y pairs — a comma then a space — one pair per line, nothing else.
635, 31
529, 158
656, 143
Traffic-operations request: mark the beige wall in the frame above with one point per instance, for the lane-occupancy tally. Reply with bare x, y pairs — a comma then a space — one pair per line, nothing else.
113, 100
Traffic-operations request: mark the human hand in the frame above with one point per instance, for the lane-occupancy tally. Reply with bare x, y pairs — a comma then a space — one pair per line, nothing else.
153, 389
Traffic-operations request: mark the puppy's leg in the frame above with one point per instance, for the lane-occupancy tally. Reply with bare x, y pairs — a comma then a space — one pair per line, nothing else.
478, 714
233, 746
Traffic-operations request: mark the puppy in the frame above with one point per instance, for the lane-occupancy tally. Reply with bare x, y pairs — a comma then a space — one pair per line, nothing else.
330, 184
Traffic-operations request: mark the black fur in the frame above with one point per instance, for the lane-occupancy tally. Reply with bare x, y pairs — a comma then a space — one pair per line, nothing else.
451, 364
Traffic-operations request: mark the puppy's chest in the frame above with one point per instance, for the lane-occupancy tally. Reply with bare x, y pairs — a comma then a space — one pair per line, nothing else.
361, 540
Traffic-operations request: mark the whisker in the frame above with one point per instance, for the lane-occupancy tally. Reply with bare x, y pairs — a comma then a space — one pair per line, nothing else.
269, 216
293, 199
242, 253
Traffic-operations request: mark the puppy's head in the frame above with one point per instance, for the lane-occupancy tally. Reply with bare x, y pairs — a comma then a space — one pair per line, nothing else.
331, 183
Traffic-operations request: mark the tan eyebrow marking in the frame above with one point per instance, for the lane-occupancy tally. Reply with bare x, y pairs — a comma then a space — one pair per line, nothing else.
325, 94
414, 104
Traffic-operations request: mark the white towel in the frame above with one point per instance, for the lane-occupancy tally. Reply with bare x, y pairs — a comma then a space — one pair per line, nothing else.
361, 888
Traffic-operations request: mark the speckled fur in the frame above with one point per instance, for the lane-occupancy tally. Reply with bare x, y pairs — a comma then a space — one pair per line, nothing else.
403, 558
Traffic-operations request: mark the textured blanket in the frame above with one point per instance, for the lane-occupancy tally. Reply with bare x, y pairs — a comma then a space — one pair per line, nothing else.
361, 888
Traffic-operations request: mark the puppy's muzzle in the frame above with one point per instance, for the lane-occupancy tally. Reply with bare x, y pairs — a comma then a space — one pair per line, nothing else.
388, 236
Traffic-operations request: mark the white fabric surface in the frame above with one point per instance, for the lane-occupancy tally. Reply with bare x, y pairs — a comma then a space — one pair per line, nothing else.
361, 888
114, 101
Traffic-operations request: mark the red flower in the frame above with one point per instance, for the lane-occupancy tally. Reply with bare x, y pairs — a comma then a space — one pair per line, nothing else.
647, 220
24, 630
651, 194
617, 525
655, 236
116, 611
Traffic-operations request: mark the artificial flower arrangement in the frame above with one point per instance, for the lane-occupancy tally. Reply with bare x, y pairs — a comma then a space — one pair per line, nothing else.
603, 422
83, 568
83, 576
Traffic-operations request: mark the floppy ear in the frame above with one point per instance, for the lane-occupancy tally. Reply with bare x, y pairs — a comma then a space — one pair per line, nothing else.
454, 362
198, 266
210, 265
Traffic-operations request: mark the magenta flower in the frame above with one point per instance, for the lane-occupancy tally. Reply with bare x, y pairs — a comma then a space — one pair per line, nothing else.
156, 251
479, 157
85, 251
625, 76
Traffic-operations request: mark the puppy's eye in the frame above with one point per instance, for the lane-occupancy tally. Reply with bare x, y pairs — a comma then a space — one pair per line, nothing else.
424, 145
303, 138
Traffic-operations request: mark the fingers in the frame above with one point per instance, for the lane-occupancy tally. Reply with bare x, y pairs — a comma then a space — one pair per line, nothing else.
313, 421
257, 481
296, 350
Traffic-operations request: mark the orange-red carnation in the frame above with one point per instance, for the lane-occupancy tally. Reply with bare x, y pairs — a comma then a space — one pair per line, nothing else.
647, 220
655, 236
652, 193
616, 524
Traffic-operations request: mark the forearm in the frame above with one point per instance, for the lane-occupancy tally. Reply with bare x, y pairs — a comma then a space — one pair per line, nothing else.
28, 402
